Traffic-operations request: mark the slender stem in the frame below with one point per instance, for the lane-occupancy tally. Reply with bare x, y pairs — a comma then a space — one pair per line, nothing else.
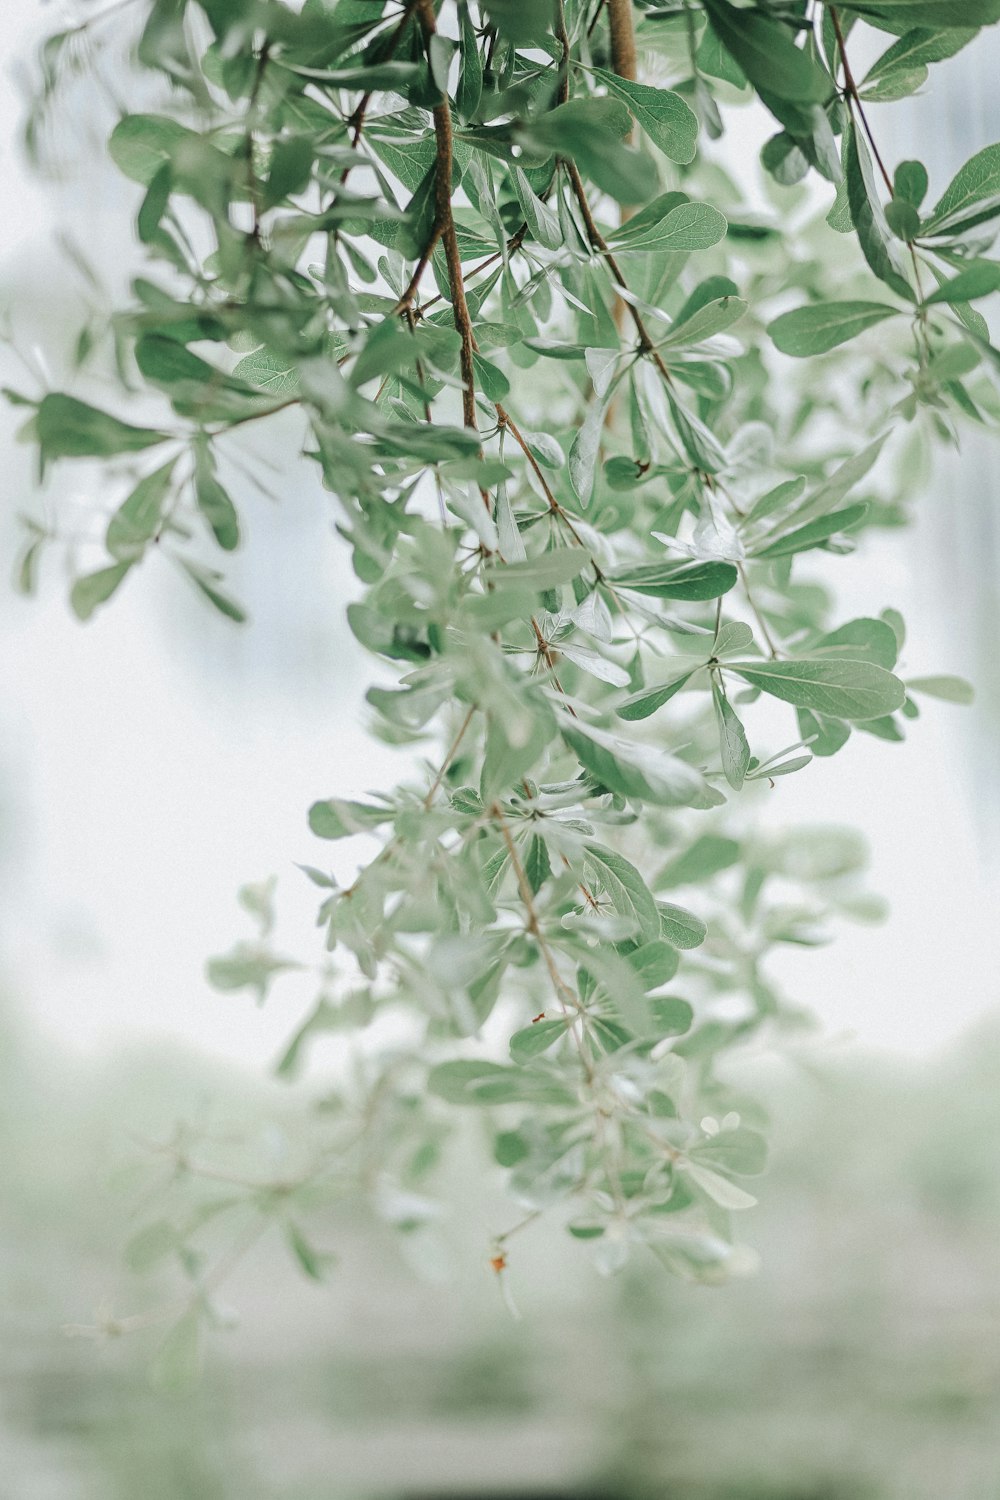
596, 17
853, 97
762, 623
564, 994
855, 105
600, 244
357, 120
446, 763
406, 300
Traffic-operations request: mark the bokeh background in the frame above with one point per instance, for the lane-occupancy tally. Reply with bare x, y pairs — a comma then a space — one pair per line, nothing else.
157, 758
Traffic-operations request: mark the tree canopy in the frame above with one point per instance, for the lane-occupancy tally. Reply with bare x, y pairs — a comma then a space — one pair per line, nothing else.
582, 414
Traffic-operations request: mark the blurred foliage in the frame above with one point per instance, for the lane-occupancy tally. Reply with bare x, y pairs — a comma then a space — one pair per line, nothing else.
862, 1363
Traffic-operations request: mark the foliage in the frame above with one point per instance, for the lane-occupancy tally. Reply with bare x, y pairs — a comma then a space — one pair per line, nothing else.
533, 339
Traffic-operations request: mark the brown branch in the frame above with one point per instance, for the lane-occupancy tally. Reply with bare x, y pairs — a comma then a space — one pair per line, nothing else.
356, 123
853, 97
596, 17
600, 244
446, 763
445, 220
854, 104
565, 995
621, 23
406, 300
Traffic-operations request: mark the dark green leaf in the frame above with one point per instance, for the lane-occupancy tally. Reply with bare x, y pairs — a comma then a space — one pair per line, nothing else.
135, 522
843, 689
732, 737
813, 534
680, 926
640, 705
655, 963
663, 115
708, 580
972, 196
814, 330
68, 428
626, 890
535, 1039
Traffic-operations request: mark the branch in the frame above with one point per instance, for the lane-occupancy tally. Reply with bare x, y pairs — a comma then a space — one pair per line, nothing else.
854, 98
600, 244
445, 226
621, 23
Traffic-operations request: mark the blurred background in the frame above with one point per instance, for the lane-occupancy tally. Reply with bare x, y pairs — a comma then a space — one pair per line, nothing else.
157, 758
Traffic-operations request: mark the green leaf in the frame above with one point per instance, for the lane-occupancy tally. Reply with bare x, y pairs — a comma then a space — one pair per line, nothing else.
135, 522
903, 219
908, 59
475, 1081
732, 737
663, 115
141, 144
96, 588
900, 15
951, 689
707, 856
689, 226
655, 963
535, 1039
213, 502
703, 322
824, 736
247, 967
721, 1191
783, 74
672, 1016
338, 819
545, 571
524, 22
741, 1151
680, 926
978, 280
640, 705
625, 888
696, 581
311, 1261
860, 640
814, 330
874, 235
289, 170
972, 197
909, 181
206, 582
813, 534
591, 132
268, 371
68, 428
543, 225
586, 447
470, 77
638, 771
854, 690
537, 865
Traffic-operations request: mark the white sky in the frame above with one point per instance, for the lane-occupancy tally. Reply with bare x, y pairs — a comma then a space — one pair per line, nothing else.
153, 760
